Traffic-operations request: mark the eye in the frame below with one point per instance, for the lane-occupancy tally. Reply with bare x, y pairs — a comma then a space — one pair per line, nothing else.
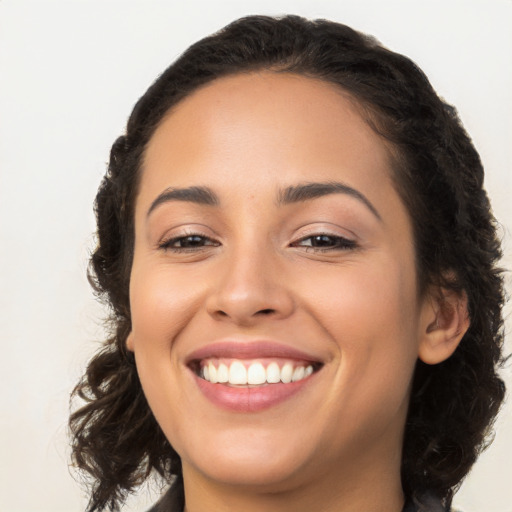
187, 243
325, 242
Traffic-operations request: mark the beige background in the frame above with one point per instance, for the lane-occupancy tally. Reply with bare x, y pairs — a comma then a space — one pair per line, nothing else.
70, 71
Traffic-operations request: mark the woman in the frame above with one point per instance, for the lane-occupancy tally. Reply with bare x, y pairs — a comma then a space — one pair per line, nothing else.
301, 264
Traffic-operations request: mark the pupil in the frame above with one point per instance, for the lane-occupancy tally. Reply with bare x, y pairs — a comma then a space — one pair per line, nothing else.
322, 240
192, 241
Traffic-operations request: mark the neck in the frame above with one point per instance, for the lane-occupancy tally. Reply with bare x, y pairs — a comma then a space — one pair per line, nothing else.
362, 486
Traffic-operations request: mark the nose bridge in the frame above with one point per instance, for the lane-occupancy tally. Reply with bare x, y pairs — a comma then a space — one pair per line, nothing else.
249, 285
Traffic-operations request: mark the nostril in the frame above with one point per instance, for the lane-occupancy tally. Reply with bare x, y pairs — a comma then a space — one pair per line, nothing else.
220, 314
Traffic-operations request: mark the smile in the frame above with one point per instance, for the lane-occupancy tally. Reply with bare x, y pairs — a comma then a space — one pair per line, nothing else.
251, 377
254, 373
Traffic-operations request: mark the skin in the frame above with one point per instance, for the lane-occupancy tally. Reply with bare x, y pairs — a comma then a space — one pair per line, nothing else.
335, 445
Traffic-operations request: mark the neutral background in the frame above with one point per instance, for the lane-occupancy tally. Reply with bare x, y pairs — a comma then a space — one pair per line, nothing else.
70, 73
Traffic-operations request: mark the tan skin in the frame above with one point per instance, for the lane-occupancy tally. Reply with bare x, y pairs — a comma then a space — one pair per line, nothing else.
333, 276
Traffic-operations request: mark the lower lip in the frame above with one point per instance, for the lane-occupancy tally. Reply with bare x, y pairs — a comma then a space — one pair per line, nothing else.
250, 399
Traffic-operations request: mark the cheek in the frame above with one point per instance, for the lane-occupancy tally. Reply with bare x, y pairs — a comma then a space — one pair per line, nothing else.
161, 309
161, 304
359, 299
370, 315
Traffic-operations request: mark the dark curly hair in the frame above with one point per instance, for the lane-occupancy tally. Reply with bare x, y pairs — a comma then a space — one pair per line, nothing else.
438, 175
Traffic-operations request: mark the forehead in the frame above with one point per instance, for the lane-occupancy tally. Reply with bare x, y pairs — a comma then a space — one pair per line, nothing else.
276, 124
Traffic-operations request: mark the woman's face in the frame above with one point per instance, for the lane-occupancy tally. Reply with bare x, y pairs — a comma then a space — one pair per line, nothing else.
270, 243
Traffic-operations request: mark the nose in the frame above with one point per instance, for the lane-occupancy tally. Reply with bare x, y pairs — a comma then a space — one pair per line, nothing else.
250, 286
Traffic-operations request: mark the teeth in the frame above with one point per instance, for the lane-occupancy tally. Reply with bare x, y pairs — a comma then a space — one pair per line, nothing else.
237, 373
298, 374
255, 374
286, 373
222, 373
213, 373
274, 373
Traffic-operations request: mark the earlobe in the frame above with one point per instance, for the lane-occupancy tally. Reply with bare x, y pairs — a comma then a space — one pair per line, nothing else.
446, 320
129, 342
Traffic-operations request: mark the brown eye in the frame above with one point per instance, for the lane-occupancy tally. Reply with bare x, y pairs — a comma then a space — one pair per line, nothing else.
325, 242
188, 242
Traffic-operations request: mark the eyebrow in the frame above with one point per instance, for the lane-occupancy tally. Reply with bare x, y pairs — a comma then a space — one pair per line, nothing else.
289, 195
307, 191
198, 195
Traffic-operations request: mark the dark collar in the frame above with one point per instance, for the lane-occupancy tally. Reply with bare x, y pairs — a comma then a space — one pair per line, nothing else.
172, 501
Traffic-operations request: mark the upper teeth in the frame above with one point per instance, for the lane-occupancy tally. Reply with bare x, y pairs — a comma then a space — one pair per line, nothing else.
237, 373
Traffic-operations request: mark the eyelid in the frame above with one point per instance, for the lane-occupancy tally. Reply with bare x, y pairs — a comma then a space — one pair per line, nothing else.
182, 232
343, 240
168, 244
325, 228
341, 243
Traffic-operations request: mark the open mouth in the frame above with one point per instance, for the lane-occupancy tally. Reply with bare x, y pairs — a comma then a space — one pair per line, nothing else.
252, 376
253, 372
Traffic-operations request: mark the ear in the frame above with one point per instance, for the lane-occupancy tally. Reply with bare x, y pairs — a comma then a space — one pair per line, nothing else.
445, 320
129, 342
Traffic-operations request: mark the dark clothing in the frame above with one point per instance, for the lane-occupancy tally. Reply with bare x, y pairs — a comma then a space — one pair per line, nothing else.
428, 503
173, 501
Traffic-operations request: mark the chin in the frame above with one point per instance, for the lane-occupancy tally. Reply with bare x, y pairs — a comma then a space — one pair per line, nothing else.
265, 476
268, 465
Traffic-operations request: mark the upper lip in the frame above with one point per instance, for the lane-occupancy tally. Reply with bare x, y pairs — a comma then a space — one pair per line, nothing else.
250, 350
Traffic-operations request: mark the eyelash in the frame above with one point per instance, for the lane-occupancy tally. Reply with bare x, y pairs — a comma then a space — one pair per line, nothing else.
167, 244
338, 243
